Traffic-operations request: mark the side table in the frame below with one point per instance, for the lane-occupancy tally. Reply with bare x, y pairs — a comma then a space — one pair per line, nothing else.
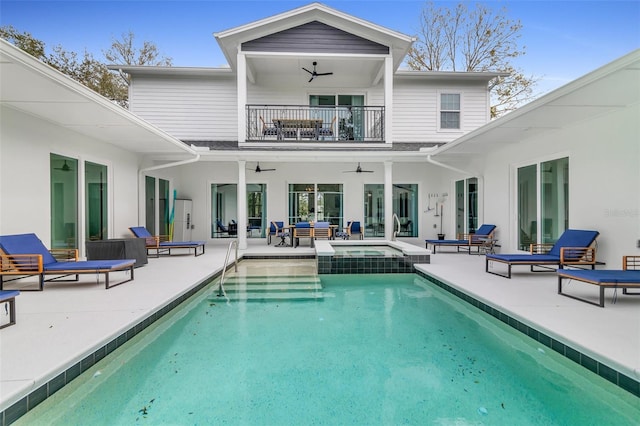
122, 248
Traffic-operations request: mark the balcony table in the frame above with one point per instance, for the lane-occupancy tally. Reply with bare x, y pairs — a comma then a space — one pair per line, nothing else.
299, 125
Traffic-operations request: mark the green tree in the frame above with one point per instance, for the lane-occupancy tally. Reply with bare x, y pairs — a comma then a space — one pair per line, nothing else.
87, 70
462, 39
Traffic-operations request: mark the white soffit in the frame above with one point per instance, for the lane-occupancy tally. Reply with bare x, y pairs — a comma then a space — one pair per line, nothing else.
34, 88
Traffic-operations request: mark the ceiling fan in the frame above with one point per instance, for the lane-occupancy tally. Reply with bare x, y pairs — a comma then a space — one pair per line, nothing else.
65, 167
258, 169
358, 170
315, 74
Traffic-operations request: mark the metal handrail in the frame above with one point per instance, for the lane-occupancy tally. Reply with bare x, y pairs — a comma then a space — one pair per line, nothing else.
221, 291
396, 231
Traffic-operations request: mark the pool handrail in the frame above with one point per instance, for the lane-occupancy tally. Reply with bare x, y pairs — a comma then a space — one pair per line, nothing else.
221, 291
396, 220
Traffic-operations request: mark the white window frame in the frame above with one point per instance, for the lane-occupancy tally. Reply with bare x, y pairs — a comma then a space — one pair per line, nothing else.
440, 110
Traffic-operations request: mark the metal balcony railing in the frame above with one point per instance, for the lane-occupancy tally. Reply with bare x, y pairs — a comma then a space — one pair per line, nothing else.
285, 123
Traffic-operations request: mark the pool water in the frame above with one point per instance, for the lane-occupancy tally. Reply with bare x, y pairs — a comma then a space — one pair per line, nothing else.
374, 349
365, 250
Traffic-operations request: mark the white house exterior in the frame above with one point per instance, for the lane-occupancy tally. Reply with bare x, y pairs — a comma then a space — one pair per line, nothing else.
426, 137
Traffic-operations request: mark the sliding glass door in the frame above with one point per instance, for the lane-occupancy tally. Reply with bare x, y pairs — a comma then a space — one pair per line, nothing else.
405, 206
64, 201
224, 210
256, 209
96, 201
316, 202
373, 210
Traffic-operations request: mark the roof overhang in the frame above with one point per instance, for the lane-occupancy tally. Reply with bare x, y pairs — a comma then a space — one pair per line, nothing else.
230, 39
612, 87
30, 86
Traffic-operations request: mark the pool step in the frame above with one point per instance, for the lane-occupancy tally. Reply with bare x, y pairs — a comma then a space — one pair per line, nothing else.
273, 288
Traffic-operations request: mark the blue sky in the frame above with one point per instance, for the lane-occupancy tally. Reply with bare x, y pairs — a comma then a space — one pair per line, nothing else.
564, 39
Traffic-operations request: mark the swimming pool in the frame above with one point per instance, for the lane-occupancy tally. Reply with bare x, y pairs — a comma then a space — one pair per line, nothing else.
375, 349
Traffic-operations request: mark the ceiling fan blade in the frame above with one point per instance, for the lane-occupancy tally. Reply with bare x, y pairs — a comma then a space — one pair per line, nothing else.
268, 170
324, 73
307, 70
310, 79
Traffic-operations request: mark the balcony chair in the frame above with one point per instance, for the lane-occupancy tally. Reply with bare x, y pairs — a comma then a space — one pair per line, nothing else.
302, 230
268, 130
162, 245
466, 242
24, 255
573, 248
628, 277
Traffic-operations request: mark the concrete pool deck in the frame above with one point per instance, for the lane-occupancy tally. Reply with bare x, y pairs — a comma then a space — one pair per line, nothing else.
60, 326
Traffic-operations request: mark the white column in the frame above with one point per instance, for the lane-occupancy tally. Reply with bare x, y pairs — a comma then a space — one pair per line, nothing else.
388, 99
242, 97
388, 200
242, 205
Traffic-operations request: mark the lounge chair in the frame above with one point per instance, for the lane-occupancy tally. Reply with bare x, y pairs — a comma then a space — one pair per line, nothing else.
466, 242
628, 277
24, 255
573, 248
302, 230
162, 245
9, 297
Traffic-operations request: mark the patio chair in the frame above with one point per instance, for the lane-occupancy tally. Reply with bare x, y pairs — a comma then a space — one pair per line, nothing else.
352, 228
573, 248
302, 230
277, 229
24, 255
162, 245
321, 230
628, 277
466, 241
268, 130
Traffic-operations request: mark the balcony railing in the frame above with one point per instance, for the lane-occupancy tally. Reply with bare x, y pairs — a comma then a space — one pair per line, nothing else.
285, 123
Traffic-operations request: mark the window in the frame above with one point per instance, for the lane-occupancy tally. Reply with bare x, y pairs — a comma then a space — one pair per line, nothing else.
224, 208
256, 209
405, 206
156, 189
374, 209
315, 202
450, 111
543, 202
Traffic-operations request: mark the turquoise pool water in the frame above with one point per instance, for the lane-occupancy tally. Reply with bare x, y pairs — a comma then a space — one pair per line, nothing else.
375, 349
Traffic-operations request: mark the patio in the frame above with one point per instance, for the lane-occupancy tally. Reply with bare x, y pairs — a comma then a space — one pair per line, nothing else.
59, 327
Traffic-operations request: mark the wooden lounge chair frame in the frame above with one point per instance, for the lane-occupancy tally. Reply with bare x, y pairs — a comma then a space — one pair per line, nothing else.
466, 241
605, 279
9, 297
20, 266
162, 244
539, 256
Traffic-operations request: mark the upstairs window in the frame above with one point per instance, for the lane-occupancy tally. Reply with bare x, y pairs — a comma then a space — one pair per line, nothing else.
450, 111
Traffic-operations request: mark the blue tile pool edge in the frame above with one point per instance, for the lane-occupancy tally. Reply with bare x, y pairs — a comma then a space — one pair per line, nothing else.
33, 398
612, 375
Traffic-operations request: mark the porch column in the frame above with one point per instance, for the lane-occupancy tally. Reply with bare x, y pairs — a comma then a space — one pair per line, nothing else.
242, 205
242, 97
388, 99
388, 200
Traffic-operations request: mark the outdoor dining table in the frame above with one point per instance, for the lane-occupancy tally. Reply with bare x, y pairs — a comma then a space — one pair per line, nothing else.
301, 126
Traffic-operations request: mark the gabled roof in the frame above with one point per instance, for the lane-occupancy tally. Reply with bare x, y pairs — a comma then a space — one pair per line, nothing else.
37, 89
612, 87
230, 39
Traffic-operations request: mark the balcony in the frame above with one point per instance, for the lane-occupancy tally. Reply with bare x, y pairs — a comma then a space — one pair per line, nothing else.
303, 123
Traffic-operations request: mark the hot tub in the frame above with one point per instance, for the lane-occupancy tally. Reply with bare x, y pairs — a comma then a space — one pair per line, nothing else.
368, 257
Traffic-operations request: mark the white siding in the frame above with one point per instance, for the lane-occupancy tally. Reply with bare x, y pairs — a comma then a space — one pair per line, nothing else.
415, 110
189, 108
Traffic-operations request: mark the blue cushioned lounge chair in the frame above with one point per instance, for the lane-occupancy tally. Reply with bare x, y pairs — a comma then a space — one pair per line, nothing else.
628, 277
161, 244
352, 228
24, 255
574, 247
466, 241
